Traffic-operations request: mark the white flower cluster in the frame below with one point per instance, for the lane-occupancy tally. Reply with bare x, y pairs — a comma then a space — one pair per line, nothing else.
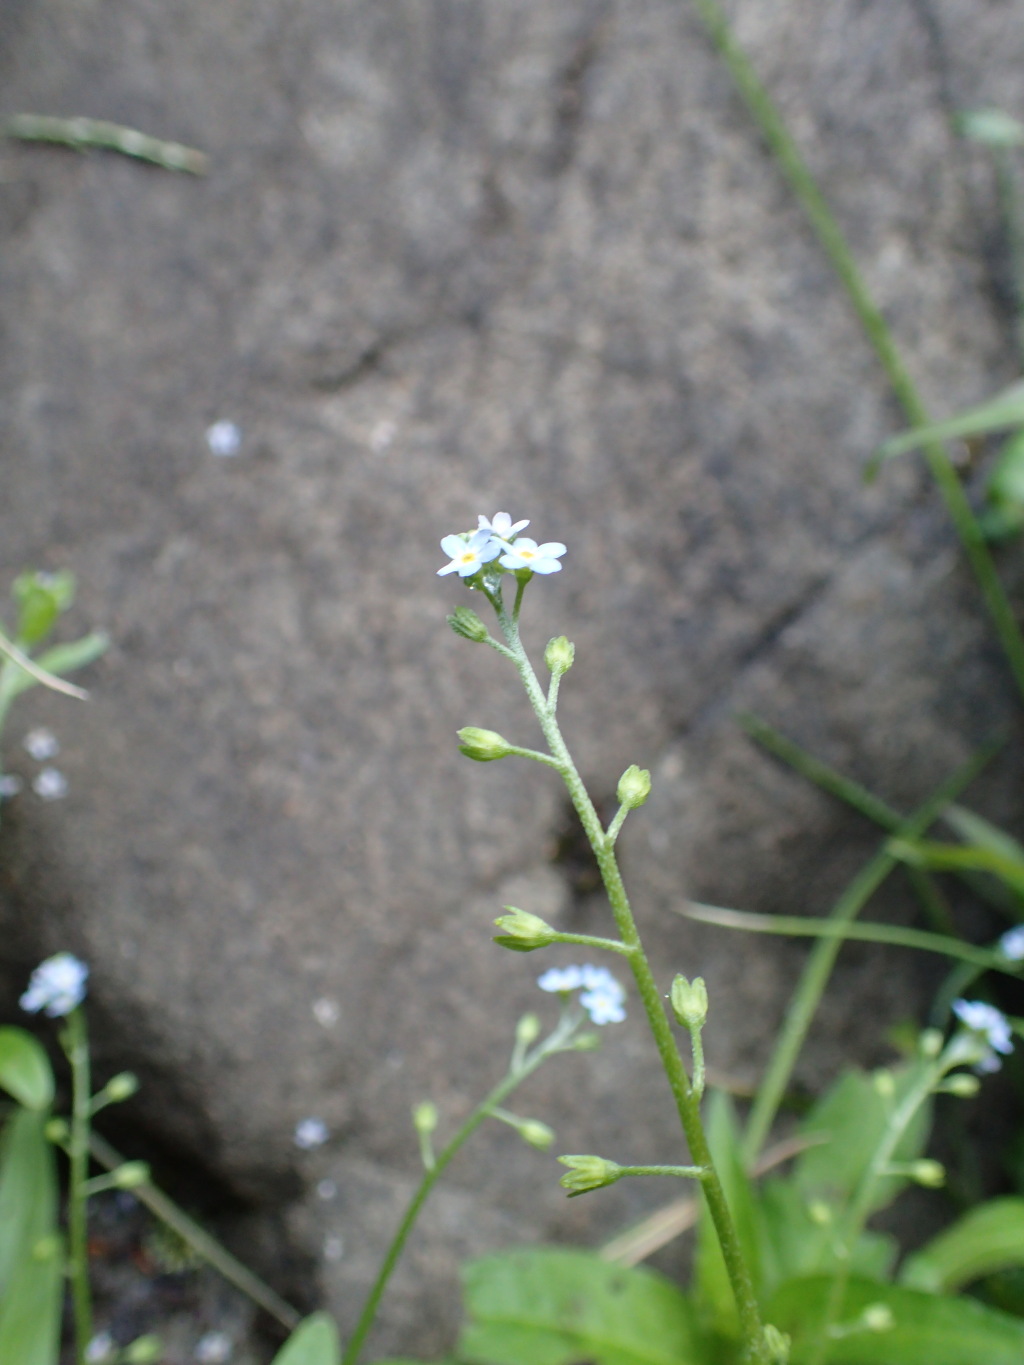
498, 539
602, 996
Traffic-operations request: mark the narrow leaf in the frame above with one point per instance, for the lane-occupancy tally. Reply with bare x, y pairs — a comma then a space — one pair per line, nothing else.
30, 1312
988, 1238
51, 664
990, 126
1004, 409
25, 1071
28, 1191
554, 1306
314, 1342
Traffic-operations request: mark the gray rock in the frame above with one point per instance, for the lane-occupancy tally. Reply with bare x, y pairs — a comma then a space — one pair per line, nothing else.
451, 258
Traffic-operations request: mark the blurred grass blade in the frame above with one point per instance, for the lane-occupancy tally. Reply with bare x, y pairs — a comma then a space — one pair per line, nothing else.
939, 857
83, 133
799, 926
21, 672
25, 1070
1004, 409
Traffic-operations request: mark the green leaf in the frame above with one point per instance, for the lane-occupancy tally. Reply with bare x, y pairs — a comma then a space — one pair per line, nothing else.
940, 857
41, 597
28, 1191
30, 1311
928, 1329
314, 1342
990, 126
713, 1293
973, 829
852, 1117
59, 660
988, 1238
25, 1071
1006, 482
554, 1306
1004, 409
800, 1238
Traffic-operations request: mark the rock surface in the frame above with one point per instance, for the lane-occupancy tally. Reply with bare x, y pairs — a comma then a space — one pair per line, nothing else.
450, 257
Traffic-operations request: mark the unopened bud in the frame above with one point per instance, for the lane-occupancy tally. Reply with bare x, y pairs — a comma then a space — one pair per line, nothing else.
465, 622
143, 1351
930, 1042
820, 1213
522, 932
962, 1085
482, 745
424, 1117
634, 787
121, 1087
559, 655
878, 1317
884, 1083
931, 1174
588, 1173
690, 1001
777, 1345
586, 1042
527, 1030
131, 1175
57, 1132
537, 1134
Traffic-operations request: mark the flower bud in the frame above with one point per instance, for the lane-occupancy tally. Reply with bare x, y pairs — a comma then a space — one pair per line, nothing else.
131, 1175
930, 1042
527, 1030
424, 1117
537, 1134
482, 745
522, 931
961, 1085
121, 1087
143, 1351
588, 1173
57, 1132
878, 1317
820, 1213
777, 1344
559, 655
931, 1174
634, 787
884, 1083
690, 1001
586, 1042
466, 623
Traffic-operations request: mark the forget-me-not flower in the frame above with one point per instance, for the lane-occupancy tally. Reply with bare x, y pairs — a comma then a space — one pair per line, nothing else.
991, 1025
527, 554
469, 555
1011, 944
310, 1133
57, 986
501, 525
602, 996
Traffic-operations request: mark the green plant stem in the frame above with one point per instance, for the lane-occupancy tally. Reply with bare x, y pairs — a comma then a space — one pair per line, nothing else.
485, 1109
833, 242
822, 958
864, 1196
1013, 217
683, 1172
76, 1045
687, 1101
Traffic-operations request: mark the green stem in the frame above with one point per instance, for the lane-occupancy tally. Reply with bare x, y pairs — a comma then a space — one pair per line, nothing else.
683, 1172
76, 1045
864, 1198
687, 1101
833, 242
822, 958
513, 1078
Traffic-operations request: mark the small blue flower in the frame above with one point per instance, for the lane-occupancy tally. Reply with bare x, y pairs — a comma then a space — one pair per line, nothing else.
989, 1024
310, 1133
468, 554
527, 554
602, 996
1011, 945
57, 986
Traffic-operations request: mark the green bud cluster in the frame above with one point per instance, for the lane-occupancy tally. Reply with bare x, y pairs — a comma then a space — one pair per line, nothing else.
121, 1087
931, 1174
465, 622
588, 1173
131, 1175
523, 932
690, 1002
559, 655
483, 745
634, 787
